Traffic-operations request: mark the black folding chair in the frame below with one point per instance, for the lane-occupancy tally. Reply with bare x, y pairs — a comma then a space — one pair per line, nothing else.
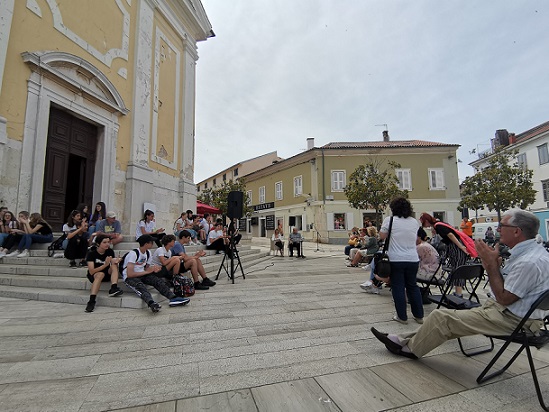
525, 339
471, 275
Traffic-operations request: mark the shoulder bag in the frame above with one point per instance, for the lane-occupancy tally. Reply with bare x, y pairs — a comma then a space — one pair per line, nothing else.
382, 264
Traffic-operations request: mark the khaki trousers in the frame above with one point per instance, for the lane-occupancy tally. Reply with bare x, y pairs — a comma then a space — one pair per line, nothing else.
445, 324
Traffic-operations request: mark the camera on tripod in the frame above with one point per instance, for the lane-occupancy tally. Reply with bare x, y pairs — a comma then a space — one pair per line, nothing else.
235, 210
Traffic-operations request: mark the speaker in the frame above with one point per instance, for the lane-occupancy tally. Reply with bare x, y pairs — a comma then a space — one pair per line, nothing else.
235, 203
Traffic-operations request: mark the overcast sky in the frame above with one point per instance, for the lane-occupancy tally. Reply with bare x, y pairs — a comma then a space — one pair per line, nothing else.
454, 71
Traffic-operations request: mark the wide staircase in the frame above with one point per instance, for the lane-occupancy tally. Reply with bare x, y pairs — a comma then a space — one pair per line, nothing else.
39, 277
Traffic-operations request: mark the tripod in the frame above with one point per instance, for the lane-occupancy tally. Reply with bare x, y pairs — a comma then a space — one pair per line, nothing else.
230, 254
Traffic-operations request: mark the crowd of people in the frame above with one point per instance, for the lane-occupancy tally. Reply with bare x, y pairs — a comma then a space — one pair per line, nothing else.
88, 240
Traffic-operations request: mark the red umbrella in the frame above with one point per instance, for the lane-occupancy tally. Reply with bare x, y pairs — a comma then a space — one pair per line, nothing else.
202, 208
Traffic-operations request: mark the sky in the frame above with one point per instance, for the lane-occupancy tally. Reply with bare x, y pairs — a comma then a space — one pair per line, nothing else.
452, 71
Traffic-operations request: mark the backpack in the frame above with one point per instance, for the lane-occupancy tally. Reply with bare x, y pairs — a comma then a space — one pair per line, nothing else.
182, 286
466, 240
57, 244
121, 266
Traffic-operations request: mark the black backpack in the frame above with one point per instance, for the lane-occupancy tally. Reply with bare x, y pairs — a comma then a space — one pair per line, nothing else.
57, 244
121, 266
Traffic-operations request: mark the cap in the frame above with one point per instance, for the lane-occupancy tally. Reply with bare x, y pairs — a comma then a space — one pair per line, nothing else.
111, 215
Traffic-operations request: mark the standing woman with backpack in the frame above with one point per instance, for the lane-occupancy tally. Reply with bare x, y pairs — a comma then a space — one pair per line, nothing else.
456, 251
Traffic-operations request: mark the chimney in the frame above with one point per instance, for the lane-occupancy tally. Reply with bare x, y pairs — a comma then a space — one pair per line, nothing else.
385, 135
512, 138
310, 143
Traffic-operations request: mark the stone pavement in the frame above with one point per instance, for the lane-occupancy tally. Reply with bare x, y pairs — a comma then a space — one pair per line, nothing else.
292, 336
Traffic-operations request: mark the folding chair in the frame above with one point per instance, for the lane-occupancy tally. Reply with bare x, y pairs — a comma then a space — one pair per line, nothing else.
472, 275
438, 279
525, 339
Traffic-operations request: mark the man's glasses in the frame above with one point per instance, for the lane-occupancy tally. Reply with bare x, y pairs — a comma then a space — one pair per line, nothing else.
504, 225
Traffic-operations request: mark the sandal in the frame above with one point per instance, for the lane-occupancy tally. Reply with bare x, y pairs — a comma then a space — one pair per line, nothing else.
352, 266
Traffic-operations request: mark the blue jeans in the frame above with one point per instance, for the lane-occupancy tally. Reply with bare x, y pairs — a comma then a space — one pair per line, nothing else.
3, 237
28, 240
347, 250
403, 280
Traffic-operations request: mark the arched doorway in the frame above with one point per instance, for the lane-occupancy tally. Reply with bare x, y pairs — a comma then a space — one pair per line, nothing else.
69, 169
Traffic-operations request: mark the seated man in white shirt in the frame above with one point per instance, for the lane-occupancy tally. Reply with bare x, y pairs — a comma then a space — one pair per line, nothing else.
295, 241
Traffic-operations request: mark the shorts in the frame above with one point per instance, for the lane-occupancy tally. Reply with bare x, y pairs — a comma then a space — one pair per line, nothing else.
106, 278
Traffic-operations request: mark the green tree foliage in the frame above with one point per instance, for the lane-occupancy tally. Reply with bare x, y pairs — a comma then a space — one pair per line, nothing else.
217, 196
373, 186
501, 185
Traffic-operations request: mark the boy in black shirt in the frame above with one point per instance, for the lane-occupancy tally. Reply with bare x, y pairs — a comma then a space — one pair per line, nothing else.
102, 267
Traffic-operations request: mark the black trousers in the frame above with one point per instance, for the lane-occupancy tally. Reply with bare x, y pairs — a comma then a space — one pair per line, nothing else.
77, 247
295, 245
160, 284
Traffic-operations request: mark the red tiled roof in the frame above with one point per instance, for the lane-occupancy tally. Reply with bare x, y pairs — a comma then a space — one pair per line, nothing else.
535, 131
382, 144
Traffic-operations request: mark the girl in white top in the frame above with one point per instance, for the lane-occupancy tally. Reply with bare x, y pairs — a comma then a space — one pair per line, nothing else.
147, 226
278, 239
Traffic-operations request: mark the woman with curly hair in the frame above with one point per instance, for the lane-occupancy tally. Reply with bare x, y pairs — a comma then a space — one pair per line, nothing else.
404, 259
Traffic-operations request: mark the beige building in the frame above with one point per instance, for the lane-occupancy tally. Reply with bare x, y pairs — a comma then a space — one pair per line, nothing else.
238, 171
97, 102
306, 190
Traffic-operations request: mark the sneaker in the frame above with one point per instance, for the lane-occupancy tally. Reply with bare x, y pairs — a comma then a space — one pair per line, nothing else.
13, 254
208, 282
90, 306
72, 264
367, 267
59, 255
200, 286
367, 284
155, 307
115, 291
418, 320
23, 254
374, 290
2, 254
177, 301
397, 319
83, 263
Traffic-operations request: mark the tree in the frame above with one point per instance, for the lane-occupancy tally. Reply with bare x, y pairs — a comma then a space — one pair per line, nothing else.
373, 186
217, 196
501, 185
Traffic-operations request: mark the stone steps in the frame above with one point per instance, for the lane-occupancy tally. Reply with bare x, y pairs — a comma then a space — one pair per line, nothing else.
39, 277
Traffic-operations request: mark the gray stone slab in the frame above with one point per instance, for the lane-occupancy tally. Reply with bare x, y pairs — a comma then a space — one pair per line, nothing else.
142, 387
299, 396
155, 407
64, 395
416, 381
234, 401
361, 391
148, 359
49, 369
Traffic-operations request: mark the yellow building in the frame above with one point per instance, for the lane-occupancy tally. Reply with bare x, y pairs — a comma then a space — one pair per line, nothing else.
97, 103
306, 190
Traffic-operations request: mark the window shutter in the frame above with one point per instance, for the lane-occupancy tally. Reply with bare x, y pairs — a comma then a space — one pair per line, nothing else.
349, 218
330, 221
304, 226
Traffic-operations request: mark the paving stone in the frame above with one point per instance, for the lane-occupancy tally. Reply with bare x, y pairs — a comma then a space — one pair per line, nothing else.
241, 401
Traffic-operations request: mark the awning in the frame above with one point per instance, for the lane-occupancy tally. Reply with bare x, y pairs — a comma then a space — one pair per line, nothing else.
202, 208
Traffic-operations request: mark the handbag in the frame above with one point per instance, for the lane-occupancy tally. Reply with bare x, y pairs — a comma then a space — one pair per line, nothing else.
382, 264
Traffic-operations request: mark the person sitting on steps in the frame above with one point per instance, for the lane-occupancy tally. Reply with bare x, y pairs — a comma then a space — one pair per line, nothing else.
102, 267
192, 262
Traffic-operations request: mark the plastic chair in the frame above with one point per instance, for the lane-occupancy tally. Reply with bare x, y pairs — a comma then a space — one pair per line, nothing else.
525, 339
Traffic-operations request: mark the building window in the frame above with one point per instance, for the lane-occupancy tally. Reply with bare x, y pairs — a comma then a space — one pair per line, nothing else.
249, 195
404, 177
214, 182
198, 188
298, 185
440, 216
235, 173
338, 180
436, 179
543, 154
224, 176
278, 190
521, 161
206, 185
262, 194
545, 190
339, 221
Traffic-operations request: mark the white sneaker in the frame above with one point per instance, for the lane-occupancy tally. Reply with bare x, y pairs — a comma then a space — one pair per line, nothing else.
23, 254
59, 255
13, 254
367, 284
367, 267
2, 254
